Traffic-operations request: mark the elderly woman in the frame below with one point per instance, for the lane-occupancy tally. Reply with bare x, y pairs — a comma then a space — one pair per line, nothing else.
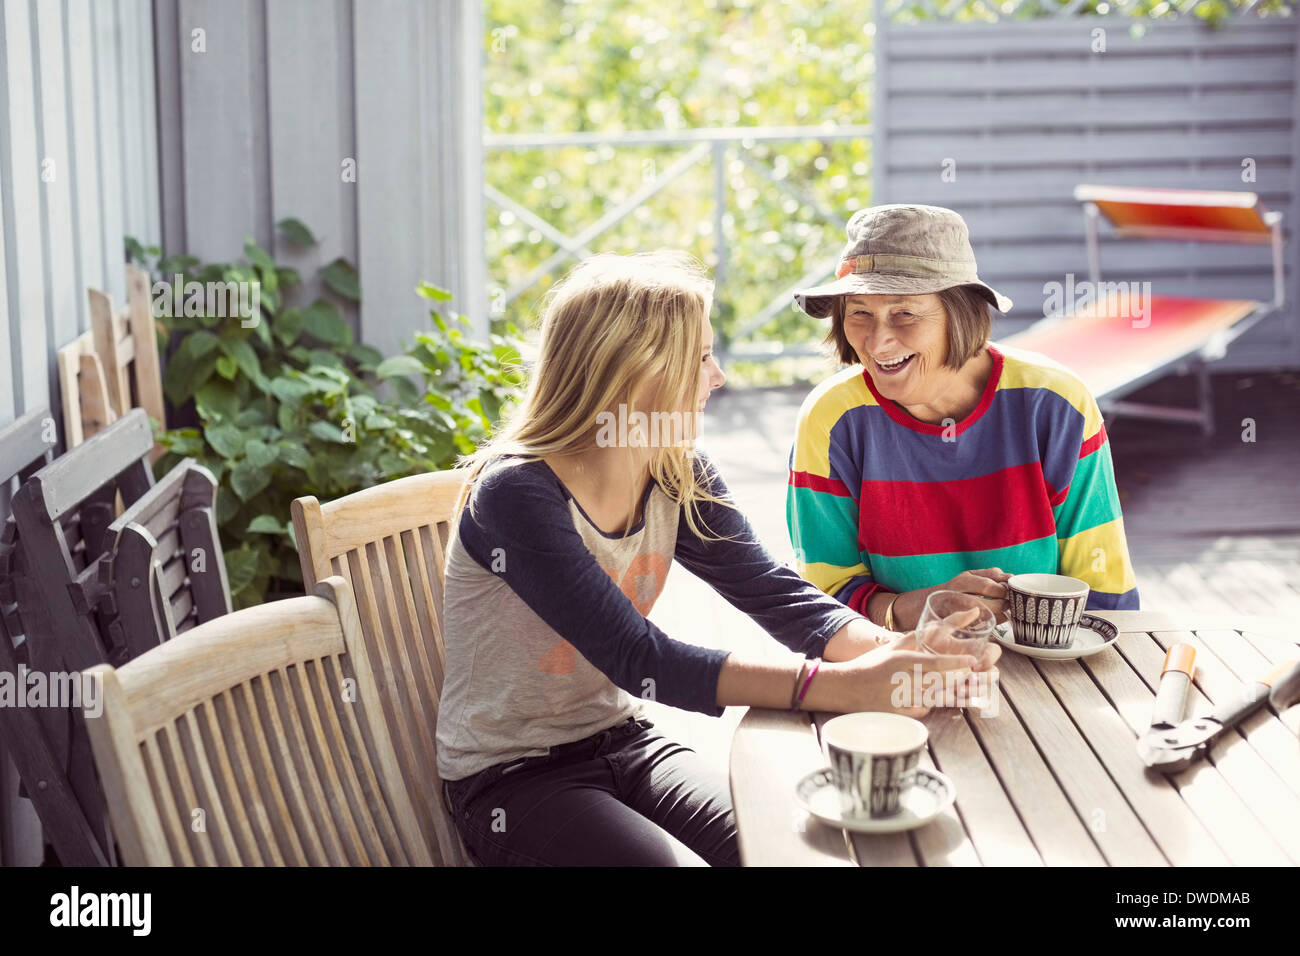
937, 460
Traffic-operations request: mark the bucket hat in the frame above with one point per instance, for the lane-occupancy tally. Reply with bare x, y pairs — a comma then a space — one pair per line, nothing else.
901, 249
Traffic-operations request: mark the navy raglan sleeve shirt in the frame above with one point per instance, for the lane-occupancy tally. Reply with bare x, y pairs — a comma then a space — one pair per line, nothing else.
743, 571
524, 512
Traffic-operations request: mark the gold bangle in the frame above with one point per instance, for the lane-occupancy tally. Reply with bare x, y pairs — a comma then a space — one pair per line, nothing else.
889, 613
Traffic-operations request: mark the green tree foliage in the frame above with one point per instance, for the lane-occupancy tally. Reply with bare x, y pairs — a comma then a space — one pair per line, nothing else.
618, 65
1213, 12
610, 67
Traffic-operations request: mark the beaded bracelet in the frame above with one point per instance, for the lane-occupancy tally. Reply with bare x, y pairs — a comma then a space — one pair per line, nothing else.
817, 663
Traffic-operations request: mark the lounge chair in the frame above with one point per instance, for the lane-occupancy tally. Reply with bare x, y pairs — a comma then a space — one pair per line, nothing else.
1116, 351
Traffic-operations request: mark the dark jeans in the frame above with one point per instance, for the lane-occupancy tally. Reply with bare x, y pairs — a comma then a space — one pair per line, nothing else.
625, 796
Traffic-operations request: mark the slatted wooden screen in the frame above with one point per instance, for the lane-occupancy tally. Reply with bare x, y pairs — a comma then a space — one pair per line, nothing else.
1017, 113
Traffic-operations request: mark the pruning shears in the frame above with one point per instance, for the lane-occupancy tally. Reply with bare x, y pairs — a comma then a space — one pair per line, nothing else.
1172, 744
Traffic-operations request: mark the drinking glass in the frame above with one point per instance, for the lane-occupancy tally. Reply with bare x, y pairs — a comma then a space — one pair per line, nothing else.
969, 639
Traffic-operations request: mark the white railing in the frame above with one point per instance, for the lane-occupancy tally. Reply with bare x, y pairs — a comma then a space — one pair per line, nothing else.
717, 145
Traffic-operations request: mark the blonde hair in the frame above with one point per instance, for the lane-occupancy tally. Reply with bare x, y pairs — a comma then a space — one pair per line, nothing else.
611, 325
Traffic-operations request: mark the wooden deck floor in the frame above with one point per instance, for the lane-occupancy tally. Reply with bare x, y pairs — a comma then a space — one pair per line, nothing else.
1213, 525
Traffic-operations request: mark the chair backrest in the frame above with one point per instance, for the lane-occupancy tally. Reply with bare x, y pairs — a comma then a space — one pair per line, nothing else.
26, 445
37, 738
127, 343
83, 386
62, 514
256, 739
1182, 214
113, 367
389, 542
163, 569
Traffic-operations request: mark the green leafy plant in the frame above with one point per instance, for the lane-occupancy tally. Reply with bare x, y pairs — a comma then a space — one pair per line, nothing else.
293, 405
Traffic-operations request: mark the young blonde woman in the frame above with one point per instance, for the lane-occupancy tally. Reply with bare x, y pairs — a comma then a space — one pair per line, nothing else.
572, 516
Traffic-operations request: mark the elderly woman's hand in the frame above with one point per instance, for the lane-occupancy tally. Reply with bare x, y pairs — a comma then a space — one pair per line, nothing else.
987, 583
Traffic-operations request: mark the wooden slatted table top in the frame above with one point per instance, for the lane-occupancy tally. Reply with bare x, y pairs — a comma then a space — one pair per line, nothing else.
1054, 779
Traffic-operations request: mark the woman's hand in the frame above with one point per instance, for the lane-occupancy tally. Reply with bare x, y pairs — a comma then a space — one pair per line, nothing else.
901, 677
939, 634
985, 661
986, 583
891, 680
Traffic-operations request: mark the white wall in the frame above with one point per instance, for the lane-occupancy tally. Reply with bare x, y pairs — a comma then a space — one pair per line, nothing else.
78, 173
257, 129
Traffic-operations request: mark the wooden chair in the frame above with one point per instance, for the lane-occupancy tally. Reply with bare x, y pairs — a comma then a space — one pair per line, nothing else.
36, 737
62, 516
163, 570
83, 386
389, 542
114, 367
257, 739
49, 549
26, 446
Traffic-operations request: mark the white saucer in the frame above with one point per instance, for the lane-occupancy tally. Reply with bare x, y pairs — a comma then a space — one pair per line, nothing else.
930, 795
1092, 636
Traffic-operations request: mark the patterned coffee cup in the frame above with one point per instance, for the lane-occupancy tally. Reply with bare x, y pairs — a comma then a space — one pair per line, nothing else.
873, 760
1044, 609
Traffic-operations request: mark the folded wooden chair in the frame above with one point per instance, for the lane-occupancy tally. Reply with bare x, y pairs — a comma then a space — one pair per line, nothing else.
49, 549
1115, 354
113, 367
62, 514
26, 446
36, 737
163, 570
389, 542
83, 386
256, 738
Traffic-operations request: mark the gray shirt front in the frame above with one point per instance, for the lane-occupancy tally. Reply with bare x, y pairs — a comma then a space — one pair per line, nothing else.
545, 627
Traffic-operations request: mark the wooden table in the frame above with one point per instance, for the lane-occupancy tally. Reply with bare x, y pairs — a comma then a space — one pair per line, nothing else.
1055, 779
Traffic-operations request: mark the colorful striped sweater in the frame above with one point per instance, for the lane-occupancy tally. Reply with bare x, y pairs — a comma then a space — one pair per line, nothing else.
879, 500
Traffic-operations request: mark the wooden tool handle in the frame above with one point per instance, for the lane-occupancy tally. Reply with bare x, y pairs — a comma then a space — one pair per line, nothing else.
1175, 679
1285, 683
